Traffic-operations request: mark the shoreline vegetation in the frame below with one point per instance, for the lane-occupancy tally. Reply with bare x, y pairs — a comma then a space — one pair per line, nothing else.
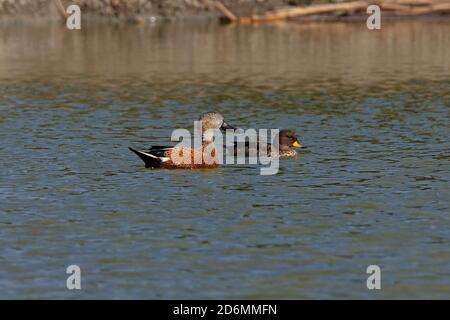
228, 11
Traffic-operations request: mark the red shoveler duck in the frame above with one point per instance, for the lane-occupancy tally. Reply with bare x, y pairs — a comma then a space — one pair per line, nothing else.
188, 158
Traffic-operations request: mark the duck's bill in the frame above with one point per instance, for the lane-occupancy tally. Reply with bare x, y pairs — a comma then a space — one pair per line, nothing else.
297, 144
225, 126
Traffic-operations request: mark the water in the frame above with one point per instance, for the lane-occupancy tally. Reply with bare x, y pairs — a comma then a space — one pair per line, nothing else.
372, 187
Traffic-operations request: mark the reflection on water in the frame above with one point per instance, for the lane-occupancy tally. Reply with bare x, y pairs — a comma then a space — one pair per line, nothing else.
372, 187
286, 52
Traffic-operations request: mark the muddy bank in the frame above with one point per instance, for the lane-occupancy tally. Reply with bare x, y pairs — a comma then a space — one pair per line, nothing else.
242, 11
167, 9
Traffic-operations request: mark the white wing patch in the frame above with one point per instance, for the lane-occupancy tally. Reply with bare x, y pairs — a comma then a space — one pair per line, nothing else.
149, 154
162, 159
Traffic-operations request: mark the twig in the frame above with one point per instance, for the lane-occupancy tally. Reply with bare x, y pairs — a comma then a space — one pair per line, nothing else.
61, 9
415, 2
395, 6
442, 7
224, 10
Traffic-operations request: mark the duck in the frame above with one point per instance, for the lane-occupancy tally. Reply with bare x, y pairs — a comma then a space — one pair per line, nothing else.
287, 140
175, 157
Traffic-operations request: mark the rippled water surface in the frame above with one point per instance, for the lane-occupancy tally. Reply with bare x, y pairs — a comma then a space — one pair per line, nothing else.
372, 187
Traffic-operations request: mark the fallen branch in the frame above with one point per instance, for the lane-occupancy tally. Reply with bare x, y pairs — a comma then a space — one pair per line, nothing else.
224, 10
311, 10
415, 2
397, 7
435, 8
61, 9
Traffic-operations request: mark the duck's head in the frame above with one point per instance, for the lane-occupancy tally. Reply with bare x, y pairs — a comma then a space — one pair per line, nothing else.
214, 120
288, 139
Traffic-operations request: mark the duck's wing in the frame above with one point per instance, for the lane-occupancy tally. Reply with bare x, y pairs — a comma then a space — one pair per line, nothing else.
152, 159
247, 148
160, 151
161, 147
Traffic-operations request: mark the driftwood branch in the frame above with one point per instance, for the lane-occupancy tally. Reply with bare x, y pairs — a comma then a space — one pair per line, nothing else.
435, 8
60, 8
416, 2
224, 10
395, 7
310, 10
414, 7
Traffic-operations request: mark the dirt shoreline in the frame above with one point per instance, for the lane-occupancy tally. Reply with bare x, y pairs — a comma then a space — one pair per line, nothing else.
153, 10
167, 9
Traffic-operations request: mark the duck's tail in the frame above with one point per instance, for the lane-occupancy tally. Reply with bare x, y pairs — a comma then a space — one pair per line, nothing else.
150, 160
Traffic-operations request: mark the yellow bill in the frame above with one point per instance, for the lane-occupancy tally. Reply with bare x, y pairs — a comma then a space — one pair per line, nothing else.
297, 144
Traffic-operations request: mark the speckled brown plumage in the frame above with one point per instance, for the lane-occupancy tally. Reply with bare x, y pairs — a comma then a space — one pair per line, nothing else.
287, 141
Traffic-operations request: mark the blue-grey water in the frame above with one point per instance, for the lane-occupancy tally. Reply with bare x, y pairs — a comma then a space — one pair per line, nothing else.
372, 188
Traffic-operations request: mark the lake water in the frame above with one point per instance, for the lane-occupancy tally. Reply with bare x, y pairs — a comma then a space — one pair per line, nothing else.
372, 188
